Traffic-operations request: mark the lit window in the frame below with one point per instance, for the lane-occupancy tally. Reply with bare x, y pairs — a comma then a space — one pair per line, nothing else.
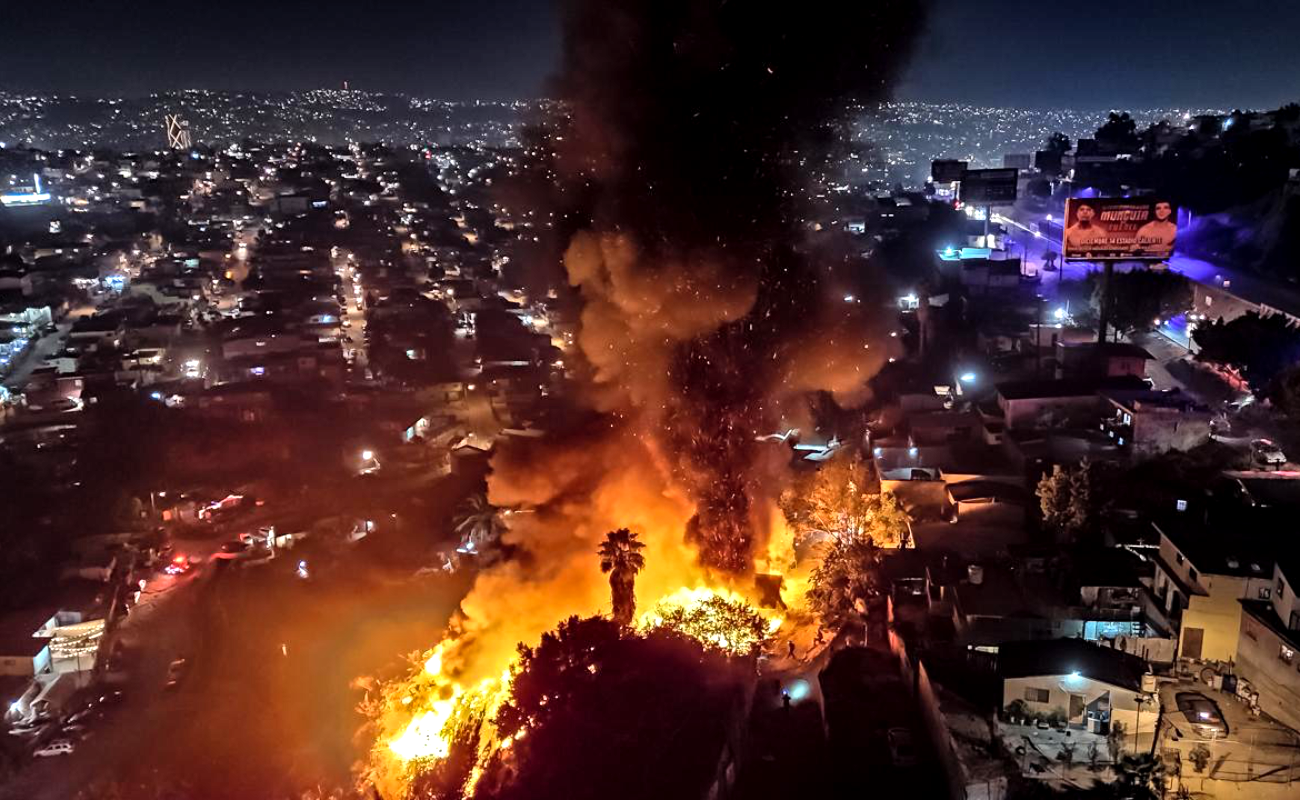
1286, 654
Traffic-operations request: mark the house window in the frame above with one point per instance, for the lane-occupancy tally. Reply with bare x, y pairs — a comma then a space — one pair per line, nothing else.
1178, 557
1287, 654
1281, 589
1038, 695
1191, 573
1294, 622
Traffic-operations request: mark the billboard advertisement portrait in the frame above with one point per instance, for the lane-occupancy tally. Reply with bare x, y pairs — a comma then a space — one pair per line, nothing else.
1119, 229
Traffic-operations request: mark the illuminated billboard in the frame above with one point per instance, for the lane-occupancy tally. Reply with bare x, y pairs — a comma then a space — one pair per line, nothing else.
1119, 229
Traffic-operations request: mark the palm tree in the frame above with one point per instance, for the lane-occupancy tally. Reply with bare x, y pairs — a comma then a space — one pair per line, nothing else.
620, 556
479, 523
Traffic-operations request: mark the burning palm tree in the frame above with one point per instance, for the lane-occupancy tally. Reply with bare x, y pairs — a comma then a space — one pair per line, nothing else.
620, 556
479, 523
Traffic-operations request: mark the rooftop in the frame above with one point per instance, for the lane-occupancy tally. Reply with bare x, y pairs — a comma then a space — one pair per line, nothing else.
1078, 387
1171, 399
1213, 552
1068, 656
1110, 349
17, 627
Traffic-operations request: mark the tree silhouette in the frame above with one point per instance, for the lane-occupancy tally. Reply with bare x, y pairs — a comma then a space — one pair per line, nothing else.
1058, 143
1119, 131
620, 556
479, 523
1139, 297
598, 712
1259, 347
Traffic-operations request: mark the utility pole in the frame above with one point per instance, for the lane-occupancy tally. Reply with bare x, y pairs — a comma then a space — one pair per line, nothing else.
1107, 302
1038, 341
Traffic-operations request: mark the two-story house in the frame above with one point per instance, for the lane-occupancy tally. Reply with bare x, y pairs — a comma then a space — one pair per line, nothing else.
1268, 650
1203, 572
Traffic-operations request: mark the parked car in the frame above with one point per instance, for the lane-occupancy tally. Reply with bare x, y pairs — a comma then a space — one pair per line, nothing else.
1203, 714
1266, 453
61, 747
902, 753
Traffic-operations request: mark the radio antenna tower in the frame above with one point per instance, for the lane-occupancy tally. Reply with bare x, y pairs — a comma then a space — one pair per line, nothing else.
178, 132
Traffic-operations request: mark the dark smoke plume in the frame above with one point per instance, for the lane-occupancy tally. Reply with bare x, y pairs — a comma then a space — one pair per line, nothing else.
681, 182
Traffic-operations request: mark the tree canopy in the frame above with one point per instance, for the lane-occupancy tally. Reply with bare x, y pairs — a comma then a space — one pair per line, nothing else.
1258, 347
849, 572
844, 498
597, 712
1065, 501
1141, 296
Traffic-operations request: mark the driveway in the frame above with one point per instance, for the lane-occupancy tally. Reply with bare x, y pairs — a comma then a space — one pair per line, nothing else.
1256, 749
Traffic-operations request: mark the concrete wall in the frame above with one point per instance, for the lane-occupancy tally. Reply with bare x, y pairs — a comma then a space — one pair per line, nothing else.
1260, 662
1219, 614
1033, 412
1156, 431
24, 666
1123, 702
1285, 601
1214, 303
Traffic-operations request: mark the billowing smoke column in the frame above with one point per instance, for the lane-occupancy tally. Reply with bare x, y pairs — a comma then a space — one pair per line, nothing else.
685, 171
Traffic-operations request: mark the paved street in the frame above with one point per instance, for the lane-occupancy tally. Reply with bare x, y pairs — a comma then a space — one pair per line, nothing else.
34, 356
256, 637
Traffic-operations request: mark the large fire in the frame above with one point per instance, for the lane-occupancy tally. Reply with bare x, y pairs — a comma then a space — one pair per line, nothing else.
681, 194
425, 715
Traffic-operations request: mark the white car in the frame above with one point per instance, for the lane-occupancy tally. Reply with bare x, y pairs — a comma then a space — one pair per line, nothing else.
58, 748
1266, 453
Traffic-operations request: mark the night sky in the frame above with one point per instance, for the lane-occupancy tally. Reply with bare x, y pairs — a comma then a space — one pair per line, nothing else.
996, 52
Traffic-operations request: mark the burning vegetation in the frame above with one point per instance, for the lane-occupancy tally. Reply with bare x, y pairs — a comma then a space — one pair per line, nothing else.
683, 180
